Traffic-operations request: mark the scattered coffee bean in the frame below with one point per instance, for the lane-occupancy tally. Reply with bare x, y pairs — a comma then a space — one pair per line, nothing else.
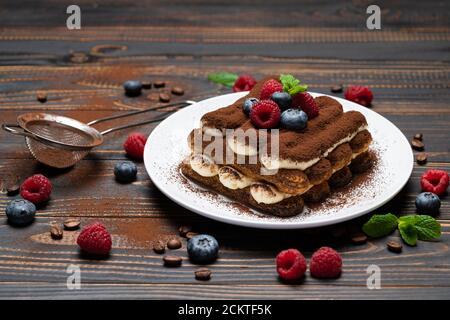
203, 274
191, 234
417, 144
394, 246
418, 136
337, 88
174, 243
12, 190
146, 85
183, 230
56, 231
72, 224
421, 158
159, 247
164, 97
172, 261
159, 84
177, 91
79, 57
359, 238
41, 97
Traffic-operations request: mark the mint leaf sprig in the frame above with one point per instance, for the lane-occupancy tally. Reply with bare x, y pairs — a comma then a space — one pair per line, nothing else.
411, 227
292, 85
225, 78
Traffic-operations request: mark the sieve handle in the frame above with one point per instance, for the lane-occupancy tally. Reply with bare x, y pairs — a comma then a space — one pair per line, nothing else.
128, 114
10, 128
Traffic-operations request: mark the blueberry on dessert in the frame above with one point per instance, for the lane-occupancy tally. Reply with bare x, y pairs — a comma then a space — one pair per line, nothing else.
294, 119
248, 105
282, 99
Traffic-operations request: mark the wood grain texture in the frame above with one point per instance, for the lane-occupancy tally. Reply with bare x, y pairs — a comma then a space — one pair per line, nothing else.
406, 65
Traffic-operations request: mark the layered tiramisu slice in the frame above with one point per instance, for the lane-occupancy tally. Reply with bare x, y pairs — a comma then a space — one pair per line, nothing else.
278, 147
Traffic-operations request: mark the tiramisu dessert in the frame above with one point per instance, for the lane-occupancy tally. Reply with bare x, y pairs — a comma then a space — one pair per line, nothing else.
278, 147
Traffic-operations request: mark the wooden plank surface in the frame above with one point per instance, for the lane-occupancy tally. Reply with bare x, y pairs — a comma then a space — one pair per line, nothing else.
406, 64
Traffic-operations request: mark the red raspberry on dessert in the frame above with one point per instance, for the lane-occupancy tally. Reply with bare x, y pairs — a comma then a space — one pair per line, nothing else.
291, 264
435, 181
359, 94
269, 87
325, 263
265, 114
95, 239
245, 82
36, 189
134, 145
306, 102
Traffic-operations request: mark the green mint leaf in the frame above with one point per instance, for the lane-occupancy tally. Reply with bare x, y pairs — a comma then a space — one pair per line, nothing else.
411, 219
408, 233
292, 85
225, 78
427, 227
380, 225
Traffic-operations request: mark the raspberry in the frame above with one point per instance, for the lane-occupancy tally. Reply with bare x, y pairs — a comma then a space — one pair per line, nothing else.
245, 82
134, 145
325, 263
95, 239
359, 94
291, 264
435, 181
265, 114
36, 189
269, 87
306, 102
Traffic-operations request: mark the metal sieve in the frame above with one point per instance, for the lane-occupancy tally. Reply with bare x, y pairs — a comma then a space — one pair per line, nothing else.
60, 142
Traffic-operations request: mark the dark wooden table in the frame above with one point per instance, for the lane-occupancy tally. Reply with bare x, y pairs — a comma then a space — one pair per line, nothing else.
406, 64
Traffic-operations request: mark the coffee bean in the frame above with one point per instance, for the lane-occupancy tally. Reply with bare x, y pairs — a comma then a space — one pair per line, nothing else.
72, 224
421, 158
164, 97
56, 231
41, 97
172, 261
79, 57
418, 136
146, 85
12, 190
359, 238
203, 274
337, 88
177, 91
417, 144
191, 234
183, 230
159, 84
394, 246
174, 243
159, 247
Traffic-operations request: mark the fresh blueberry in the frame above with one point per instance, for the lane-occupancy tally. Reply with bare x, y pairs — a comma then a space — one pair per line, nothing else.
282, 99
20, 212
203, 248
248, 105
132, 88
428, 203
294, 119
125, 171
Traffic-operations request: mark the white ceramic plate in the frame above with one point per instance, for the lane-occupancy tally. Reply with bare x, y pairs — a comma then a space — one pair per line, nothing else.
167, 147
